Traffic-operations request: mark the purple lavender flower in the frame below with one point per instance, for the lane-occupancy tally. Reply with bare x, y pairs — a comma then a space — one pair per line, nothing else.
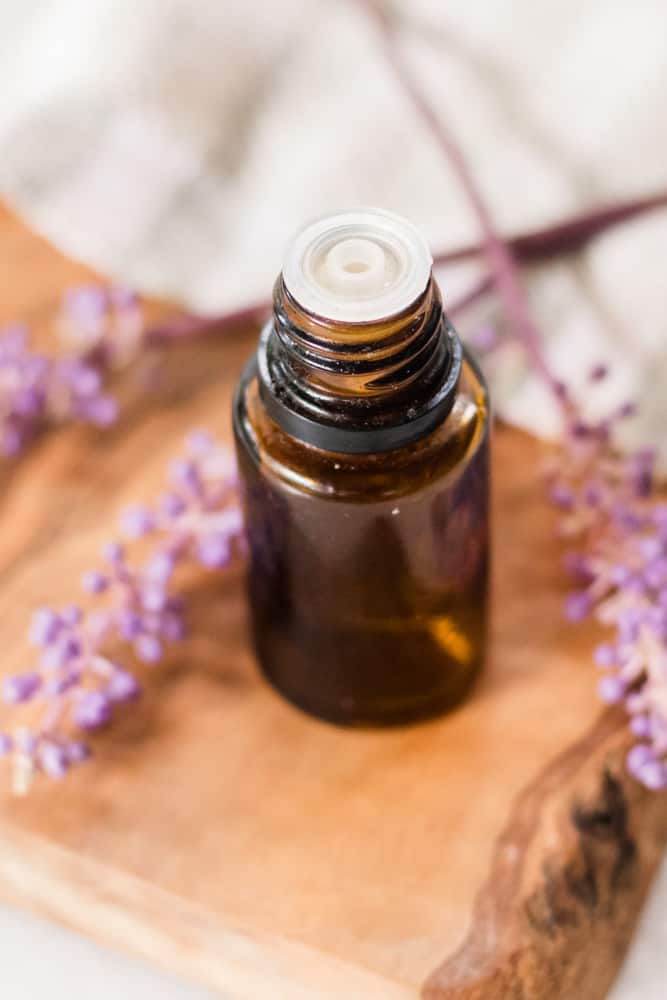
21, 687
611, 689
44, 626
76, 751
39, 390
605, 498
137, 521
148, 648
94, 582
606, 655
214, 551
123, 686
199, 522
53, 760
92, 710
577, 606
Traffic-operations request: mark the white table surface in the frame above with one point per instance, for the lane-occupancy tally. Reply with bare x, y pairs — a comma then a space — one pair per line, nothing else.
39, 959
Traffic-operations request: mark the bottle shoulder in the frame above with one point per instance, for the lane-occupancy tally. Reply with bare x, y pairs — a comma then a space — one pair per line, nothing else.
369, 477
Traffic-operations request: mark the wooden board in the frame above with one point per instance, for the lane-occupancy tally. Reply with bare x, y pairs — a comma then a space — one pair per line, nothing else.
498, 853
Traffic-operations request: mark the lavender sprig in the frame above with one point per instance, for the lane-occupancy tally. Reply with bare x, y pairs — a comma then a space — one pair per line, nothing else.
620, 564
85, 661
101, 328
623, 540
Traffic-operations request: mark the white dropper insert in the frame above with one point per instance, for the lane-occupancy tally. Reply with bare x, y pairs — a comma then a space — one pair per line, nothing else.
360, 266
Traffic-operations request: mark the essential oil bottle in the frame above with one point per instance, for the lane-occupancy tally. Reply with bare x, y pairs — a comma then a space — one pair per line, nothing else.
362, 434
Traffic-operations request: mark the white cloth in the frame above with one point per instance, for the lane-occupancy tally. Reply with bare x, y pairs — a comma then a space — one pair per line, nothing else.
177, 145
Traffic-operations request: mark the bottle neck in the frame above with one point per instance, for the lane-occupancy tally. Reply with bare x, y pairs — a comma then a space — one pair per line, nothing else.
359, 387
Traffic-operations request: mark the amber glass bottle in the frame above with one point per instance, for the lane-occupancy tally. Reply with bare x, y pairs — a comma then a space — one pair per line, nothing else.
362, 434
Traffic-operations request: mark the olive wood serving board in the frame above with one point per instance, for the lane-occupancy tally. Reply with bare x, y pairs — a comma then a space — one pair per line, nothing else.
499, 853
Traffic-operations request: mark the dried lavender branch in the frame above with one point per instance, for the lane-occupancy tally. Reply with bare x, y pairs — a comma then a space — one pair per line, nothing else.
499, 256
77, 679
532, 247
189, 325
567, 236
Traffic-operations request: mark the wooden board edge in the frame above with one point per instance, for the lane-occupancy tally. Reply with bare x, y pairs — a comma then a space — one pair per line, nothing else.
126, 913
569, 875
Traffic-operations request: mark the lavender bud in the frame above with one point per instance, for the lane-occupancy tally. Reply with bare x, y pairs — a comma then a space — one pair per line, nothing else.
137, 521
86, 381
638, 756
92, 710
592, 495
611, 689
619, 575
122, 686
160, 566
650, 547
172, 627
53, 760
185, 473
94, 582
655, 573
123, 297
562, 496
171, 505
25, 742
76, 752
653, 774
148, 648
71, 615
59, 655
44, 627
229, 522
101, 411
59, 685
213, 551
577, 606
641, 726
11, 441
579, 429
85, 304
576, 565
154, 598
606, 655
21, 687
130, 624
199, 442
99, 624
113, 552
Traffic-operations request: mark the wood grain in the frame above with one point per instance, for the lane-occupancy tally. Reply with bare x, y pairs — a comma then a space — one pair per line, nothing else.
498, 853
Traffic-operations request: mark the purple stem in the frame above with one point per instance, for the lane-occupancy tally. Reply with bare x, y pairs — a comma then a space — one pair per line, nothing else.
188, 325
537, 245
563, 237
499, 256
